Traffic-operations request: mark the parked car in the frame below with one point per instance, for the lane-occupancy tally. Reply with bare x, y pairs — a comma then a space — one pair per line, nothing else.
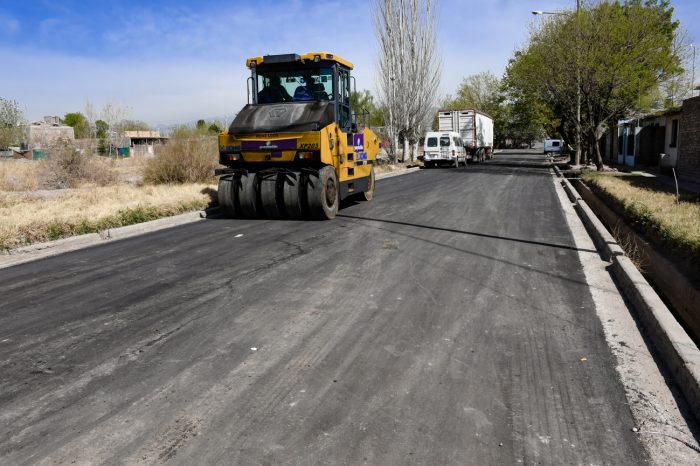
553, 146
443, 147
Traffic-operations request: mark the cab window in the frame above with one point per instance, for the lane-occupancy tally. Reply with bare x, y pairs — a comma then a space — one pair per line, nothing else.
294, 84
344, 98
432, 142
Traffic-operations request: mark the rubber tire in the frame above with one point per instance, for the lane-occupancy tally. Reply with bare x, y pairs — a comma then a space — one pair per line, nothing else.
270, 195
248, 195
369, 194
292, 195
318, 191
226, 197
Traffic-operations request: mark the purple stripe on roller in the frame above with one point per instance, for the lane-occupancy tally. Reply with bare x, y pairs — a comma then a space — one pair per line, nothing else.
281, 144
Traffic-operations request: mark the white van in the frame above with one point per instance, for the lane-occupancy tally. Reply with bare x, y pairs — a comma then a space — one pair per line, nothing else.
443, 147
553, 146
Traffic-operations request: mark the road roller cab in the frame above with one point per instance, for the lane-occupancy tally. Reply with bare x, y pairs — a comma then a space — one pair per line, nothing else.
295, 151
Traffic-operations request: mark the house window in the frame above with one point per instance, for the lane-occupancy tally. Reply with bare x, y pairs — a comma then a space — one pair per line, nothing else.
674, 133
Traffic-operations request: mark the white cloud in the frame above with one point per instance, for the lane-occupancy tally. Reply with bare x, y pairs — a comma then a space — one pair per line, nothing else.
8, 24
166, 91
182, 63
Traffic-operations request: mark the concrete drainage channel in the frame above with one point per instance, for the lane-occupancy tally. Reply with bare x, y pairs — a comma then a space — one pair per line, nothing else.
676, 348
38, 251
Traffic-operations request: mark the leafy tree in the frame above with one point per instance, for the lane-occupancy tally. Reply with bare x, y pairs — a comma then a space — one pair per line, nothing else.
364, 101
101, 127
614, 52
480, 91
11, 119
201, 125
80, 124
214, 128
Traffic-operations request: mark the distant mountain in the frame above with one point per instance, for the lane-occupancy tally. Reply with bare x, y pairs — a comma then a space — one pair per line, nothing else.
223, 121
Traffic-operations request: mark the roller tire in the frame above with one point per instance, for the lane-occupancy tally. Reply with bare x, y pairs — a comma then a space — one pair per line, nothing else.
226, 196
270, 195
322, 194
292, 195
248, 195
369, 194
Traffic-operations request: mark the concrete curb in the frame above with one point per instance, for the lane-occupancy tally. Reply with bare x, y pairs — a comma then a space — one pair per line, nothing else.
602, 238
570, 190
678, 351
38, 251
382, 176
154, 225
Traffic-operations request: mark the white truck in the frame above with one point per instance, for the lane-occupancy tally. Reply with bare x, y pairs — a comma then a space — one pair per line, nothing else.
474, 126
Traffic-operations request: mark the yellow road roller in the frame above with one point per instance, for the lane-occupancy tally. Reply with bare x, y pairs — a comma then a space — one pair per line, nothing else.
298, 147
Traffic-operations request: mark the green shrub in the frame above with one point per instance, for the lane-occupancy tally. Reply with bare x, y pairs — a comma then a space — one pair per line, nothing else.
187, 157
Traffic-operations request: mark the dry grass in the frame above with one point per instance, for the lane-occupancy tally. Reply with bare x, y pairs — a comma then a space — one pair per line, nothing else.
655, 211
27, 218
70, 193
69, 167
19, 175
188, 157
29, 175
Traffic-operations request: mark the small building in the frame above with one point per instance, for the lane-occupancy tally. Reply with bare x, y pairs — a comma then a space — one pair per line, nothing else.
642, 141
41, 134
143, 142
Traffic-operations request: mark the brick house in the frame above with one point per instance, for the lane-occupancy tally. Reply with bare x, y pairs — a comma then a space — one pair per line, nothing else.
688, 164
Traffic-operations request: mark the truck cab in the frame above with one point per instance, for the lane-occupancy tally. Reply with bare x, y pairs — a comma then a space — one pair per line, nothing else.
296, 93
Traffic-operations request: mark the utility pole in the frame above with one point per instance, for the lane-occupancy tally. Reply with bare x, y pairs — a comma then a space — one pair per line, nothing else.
692, 80
577, 156
577, 160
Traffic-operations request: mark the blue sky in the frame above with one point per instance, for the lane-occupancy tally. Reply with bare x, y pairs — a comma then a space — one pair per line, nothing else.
170, 62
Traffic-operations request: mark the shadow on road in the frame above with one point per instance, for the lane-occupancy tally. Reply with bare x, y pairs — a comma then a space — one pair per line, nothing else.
472, 233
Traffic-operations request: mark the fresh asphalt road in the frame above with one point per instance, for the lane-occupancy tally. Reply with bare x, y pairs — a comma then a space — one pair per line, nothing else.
448, 321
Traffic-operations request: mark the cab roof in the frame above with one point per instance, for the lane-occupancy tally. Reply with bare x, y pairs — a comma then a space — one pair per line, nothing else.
293, 57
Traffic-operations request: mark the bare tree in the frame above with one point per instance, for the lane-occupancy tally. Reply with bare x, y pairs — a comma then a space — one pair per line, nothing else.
91, 117
677, 86
113, 114
409, 68
11, 121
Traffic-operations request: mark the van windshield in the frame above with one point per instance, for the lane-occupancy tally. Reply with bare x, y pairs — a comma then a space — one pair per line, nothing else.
432, 142
445, 141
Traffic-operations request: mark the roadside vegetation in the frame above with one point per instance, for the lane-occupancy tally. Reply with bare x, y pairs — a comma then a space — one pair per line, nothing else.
654, 211
34, 217
72, 193
189, 157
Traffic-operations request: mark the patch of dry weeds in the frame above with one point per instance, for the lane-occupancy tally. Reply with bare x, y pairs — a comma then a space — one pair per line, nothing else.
30, 217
